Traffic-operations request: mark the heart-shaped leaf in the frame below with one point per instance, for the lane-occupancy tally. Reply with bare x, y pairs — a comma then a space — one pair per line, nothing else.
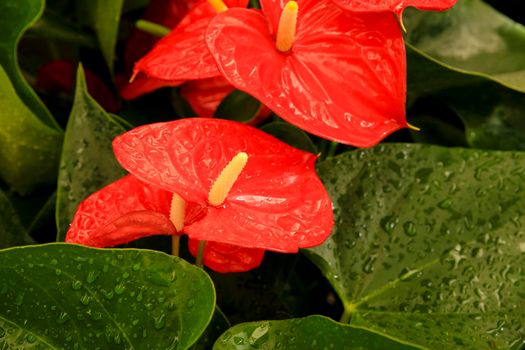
12, 232
63, 296
15, 18
104, 17
314, 332
428, 242
87, 163
29, 149
471, 38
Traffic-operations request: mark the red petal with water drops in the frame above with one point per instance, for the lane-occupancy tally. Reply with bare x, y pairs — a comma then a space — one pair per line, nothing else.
121, 212
277, 202
396, 6
182, 54
224, 258
205, 95
344, 79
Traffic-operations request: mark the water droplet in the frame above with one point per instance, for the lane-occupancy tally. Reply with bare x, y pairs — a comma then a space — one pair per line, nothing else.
76, 285
62, 318
410, 228
136, 267
191, 303
238, 340
119, 289
92, 276
20, 299
85, 299
160, 321
445, 204
30, 338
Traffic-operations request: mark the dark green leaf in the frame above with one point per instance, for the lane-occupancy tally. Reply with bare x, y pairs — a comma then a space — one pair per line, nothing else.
429, 241
471, 38
12, 232
314, 332
15, 18
87, 162
239, 106
291, 135
64, 296
104, 17
29, 149
218, 325
45, 215
54, 26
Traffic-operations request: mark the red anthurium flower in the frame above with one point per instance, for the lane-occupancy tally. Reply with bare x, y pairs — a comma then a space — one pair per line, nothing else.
205, 95
130, 209
182, 54
336, 74
215, 180
396, 6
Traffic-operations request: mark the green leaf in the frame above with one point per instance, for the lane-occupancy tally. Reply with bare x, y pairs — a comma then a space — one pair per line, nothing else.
64, 296
12, 232
471, 38
53, 26
29, 149
429, 242
104, 17
15, 18
218, 325
314, 332
239, 106
87, 163
291, 135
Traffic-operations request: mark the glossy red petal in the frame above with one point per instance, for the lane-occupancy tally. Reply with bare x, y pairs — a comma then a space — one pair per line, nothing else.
224, 258
121, 212
205, 95
277, 203
396, 6
344, 79
142, 85
182, 54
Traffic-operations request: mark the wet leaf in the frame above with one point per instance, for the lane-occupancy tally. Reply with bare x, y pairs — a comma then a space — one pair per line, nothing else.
12, 232
218, 325
29, 149
104, 17
429, 241
87, 163
101, 298
471, 38
313, 332
15, 18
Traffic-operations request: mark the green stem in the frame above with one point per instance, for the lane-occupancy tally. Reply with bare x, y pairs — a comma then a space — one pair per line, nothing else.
152, 28
332, 149
347, 314
200, 253
175, 245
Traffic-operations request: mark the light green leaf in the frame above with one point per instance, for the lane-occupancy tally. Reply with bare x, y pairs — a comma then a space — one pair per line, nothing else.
104, 17
64, 296
471, 38
429, 242
12, 232
313, 332
29, 149
87, 163
15, 18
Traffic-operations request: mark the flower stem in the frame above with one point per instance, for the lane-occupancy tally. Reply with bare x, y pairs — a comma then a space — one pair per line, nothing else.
152, 28
347, 314
200, 253
175, 245
332, 149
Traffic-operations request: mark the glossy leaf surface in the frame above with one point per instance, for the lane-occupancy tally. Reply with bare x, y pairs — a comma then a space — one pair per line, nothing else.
471, 38
291, 135
428, 242
277, 202
29, 149
239, 106
319, 84
103, 16
15, 18
396, 6
182, 54
87, 163
12, 232
314, 332
118, 299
